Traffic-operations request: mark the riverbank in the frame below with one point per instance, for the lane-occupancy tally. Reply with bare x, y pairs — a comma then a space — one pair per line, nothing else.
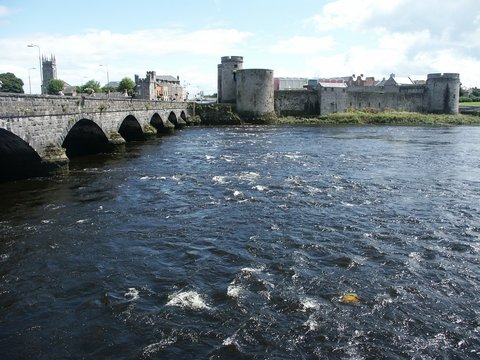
214, 114
382, 118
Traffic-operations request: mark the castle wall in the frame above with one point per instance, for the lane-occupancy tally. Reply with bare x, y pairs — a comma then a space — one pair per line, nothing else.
408, 99
332, 99
255, 94
296, 102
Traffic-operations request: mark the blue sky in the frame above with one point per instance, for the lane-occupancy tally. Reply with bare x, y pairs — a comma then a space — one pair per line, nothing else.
302, 38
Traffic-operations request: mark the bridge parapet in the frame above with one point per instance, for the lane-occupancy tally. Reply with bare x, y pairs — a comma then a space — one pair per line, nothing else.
20, 105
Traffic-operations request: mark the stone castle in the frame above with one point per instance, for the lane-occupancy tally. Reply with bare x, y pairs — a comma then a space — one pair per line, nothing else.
253, 91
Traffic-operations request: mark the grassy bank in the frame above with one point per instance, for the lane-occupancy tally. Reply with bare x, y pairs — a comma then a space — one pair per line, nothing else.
476, 103
381, 118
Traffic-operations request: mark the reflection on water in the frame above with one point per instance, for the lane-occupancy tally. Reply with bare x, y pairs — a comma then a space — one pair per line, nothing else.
249, 242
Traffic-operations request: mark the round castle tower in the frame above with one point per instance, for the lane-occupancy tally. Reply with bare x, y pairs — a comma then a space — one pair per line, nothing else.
255, 92
226, 78
443, 92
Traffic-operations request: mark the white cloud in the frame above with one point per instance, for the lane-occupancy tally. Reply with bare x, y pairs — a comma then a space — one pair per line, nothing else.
351, 13
78, 56
303, 45
357, 60
404, 36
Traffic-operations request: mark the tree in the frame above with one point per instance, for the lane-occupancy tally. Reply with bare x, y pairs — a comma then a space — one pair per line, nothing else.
108, 89
127, 84
55, 86
10, 83
90, 87
475, 92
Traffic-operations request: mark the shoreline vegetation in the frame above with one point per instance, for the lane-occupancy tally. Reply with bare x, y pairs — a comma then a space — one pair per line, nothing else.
389, 117
214, 114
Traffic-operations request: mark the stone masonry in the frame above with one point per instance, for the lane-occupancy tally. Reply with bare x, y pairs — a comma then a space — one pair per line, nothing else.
44, 121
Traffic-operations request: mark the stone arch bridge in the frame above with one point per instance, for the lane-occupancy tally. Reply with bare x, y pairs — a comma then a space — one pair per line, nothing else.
40, 133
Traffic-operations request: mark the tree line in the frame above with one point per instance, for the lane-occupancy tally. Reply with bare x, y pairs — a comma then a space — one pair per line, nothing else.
472, 95
12, 84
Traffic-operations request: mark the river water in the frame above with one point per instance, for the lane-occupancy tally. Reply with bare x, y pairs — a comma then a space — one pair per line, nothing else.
240, 242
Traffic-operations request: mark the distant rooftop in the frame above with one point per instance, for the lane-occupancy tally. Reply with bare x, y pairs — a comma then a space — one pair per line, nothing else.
332, 84
167, 78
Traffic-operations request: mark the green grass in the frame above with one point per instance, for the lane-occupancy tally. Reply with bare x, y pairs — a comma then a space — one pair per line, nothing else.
382, 118
470, 103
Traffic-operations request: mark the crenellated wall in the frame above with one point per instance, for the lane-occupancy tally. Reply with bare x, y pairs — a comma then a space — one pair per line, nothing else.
439, 95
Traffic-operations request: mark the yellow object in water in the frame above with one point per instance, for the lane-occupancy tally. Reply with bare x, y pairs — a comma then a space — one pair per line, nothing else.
350, 298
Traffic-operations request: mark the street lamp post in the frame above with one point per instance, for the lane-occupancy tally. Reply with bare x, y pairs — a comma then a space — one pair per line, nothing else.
108, 79
40, 64
29, 82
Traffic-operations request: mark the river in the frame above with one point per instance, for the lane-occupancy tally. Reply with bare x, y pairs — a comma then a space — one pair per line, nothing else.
241, 242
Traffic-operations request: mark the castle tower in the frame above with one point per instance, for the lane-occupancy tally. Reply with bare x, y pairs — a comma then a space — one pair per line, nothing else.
255, 93
49, 71
442, 93
226, 91
146, 87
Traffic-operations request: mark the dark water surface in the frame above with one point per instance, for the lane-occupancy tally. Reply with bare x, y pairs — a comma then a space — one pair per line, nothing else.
238, 243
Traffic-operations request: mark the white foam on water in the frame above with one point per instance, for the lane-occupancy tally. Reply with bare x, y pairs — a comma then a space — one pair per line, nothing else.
252, 270
260, 188
309, 304
153, 178
275, 227
132, 294
187, 299
293, 156
153, 348
238, 194
311, 324
82, 221
228, 158
219, 179
249, 176
234, 291
312, 190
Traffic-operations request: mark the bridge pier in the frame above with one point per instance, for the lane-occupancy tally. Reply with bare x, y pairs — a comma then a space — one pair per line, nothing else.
54, 160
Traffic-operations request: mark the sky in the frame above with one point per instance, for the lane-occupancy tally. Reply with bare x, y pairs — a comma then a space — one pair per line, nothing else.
301, 38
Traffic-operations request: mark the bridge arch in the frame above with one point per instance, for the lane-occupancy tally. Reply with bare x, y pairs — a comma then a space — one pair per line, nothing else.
162, 126
172, 117
86, 138
131, 130
183, 116
17, 158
